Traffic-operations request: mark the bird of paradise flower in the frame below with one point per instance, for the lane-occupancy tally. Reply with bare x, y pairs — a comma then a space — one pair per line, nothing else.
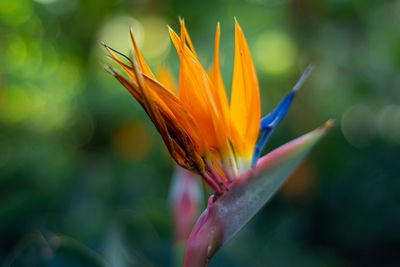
216, 139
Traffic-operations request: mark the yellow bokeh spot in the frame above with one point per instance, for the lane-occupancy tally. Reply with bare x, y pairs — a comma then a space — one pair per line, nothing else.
115, 33
156, 39
45, 107
15, 105
150, 33
274, 52
15, 12
16, 53
52, 103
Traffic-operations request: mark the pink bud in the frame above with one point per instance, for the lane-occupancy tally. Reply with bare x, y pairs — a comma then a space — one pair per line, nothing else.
186, 198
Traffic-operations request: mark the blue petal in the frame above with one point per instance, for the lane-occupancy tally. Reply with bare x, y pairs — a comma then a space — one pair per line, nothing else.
269, 122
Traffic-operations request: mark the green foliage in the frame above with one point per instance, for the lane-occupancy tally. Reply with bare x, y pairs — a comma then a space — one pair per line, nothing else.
80, 159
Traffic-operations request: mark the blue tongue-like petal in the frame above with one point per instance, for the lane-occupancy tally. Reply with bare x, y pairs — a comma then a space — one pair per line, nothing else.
269, 122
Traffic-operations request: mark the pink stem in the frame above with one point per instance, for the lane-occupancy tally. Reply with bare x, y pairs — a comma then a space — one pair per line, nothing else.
213, 184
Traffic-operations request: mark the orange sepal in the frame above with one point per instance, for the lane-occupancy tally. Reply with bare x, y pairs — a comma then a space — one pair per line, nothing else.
142, 63
196, 91
219, 94
245, 106
187, 38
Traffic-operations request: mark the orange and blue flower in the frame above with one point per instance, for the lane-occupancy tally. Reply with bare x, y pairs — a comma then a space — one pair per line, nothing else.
206, 134
202, 131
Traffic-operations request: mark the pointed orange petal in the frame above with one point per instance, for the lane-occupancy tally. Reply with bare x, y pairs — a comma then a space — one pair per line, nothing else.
142, 63
245, 99
196, 91
176, 40
219, 93
185, 33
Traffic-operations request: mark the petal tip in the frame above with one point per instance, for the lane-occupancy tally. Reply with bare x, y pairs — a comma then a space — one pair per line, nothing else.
328, 125
170, 30
303, 78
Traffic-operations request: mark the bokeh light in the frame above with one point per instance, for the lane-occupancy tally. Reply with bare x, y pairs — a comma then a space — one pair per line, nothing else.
388, 123
16, 105
358, 125
274, 52
15, 12
156, 38
115, 33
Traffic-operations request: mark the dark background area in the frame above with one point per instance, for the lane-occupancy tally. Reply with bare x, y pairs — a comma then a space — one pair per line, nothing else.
85, 177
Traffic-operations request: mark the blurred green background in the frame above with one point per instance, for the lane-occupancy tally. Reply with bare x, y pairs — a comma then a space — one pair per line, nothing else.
84, 177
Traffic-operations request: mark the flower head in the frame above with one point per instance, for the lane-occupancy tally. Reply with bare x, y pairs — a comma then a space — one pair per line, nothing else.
206, 134
202, 131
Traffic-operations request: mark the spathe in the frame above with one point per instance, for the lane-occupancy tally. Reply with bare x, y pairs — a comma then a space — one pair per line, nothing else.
226, 215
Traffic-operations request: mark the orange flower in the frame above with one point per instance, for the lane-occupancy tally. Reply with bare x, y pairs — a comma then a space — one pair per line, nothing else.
202, 132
